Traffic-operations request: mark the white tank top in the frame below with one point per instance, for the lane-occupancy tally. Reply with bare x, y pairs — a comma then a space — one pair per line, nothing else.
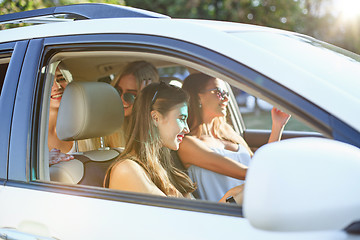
212, 186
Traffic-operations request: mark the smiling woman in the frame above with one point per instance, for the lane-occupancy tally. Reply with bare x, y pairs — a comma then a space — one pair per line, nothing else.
57, 147
157, 125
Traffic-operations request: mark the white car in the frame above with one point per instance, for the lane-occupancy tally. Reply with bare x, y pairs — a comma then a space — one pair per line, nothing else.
306, 187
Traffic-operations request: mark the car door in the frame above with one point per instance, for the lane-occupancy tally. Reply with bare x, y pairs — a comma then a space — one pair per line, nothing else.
47, 209
53, 210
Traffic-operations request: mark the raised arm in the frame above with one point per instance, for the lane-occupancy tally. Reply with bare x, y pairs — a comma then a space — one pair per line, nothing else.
279, 120
127, 175
193, 151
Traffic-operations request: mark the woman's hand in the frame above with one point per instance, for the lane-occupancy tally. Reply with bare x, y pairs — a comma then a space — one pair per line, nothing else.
55, 156
236, 192
279, 118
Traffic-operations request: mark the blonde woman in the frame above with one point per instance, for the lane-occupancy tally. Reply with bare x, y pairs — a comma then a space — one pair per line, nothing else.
135, 76
215, 156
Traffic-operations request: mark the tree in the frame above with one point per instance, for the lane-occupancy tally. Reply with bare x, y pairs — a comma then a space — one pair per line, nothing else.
311, 17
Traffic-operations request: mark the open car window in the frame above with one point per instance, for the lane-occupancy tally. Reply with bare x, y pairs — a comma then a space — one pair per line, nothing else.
103, 66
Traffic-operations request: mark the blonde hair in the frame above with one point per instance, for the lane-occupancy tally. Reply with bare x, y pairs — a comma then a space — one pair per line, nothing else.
144, 73
144, 143
193, 85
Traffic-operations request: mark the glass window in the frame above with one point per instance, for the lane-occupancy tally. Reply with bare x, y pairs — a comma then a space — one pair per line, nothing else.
256, 113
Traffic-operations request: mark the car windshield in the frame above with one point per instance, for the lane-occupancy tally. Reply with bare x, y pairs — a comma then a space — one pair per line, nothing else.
338, 67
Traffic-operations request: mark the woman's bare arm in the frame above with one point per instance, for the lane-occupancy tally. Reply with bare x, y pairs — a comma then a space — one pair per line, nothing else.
279, 120
127, 175
193, 151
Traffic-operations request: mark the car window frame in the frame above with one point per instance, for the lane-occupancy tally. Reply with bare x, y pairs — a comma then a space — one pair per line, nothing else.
235, 73
108, 194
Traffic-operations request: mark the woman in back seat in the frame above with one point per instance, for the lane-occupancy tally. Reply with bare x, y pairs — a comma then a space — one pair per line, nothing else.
59, 150
135, 76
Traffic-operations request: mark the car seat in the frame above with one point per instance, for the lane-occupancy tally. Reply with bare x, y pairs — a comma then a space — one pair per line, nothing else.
87, 110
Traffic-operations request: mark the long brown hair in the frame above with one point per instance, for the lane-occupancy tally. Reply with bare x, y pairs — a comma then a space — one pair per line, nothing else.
193, 85
144, 144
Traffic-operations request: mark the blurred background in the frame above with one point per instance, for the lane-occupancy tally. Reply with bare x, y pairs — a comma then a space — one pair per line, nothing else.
333, 21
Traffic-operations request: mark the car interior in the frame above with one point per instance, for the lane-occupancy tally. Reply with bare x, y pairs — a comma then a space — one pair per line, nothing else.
92, 108
82, 115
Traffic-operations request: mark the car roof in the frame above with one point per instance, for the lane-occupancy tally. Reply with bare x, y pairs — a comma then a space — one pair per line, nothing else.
224, 38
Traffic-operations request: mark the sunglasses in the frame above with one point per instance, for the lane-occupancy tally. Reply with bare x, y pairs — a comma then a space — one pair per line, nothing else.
162, 85
129, 98
221, 94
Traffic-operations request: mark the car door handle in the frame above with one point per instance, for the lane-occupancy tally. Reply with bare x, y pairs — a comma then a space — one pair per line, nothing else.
14, 234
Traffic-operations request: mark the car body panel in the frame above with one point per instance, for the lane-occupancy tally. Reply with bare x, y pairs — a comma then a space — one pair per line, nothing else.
21, 124
30, 204
116, 219
8, 97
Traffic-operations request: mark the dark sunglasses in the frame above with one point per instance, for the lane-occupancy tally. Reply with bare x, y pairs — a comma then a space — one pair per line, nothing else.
221, 94
129, 98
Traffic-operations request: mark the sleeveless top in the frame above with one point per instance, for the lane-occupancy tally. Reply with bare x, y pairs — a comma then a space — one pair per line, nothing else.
212, 186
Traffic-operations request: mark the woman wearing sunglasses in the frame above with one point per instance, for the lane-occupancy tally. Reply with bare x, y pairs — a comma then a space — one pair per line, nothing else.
215, 156
135, 76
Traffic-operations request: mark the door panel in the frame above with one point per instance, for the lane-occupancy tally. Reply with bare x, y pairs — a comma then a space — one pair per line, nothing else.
64, 216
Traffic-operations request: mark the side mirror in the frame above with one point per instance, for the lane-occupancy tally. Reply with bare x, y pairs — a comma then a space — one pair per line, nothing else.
304, 184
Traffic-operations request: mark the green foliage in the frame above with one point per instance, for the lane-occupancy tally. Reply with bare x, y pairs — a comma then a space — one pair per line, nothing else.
311, 17
8, 6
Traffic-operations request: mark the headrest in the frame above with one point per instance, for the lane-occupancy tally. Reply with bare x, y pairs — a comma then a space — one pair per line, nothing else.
88, 110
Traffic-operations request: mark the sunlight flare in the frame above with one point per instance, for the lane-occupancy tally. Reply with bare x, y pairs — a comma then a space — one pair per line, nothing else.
348, 9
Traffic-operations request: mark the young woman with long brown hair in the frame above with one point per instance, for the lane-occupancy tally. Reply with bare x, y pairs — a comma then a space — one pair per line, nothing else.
158, 124
215, 156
